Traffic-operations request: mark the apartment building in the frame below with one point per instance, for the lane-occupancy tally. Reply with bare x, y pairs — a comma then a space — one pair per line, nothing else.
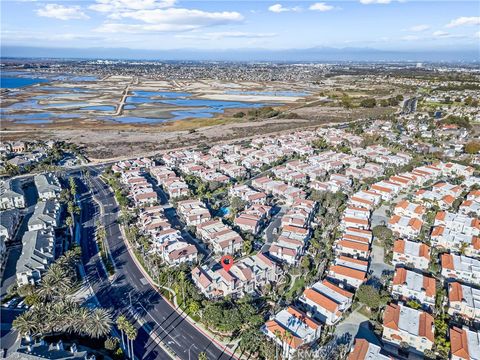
246, 276
412, 254
193, 212
48, 186
402, 324
459, 267
327, 301
221, 238
302, 330
464, 343
412, 285
464, 300
11, 195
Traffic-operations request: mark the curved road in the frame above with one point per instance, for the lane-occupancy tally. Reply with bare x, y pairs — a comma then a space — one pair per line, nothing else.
130, 293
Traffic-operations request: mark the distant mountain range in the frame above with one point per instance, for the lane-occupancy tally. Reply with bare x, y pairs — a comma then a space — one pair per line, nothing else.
320, 54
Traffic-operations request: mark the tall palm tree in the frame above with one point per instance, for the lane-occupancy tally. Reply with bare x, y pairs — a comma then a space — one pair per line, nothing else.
278, 335
73, 209
48, 289
181, 277
131, 333
99, 323
73, 186
121, 325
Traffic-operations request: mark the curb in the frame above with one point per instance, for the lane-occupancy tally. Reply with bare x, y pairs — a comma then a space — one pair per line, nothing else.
183, 314
156, 287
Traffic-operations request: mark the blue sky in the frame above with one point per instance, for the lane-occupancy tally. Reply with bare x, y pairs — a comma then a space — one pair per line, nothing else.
229, 24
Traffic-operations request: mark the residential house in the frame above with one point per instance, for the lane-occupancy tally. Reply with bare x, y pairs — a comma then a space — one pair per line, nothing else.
348, 271
412, 285
464, 343
302, 330
253, 218
459, 267
404, 325
48, 186
404, 226
410, 253
327, 301
364, 350
464, 300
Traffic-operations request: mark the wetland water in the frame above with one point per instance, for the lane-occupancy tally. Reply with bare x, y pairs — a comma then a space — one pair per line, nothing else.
76, 98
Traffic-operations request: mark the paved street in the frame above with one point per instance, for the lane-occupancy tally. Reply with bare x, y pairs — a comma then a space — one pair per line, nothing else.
160, 321
274, 224
168, 325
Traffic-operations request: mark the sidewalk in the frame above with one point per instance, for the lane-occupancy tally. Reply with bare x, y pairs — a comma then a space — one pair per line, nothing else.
212, 337
220, 344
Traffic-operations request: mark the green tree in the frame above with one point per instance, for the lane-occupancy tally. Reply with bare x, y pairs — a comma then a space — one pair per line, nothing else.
382, 233
247, 247
202, 356
369, 296
111, 344
99, 323
236, 205
472, 147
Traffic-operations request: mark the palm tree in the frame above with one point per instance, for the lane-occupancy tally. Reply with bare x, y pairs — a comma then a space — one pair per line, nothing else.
99, 323
73, 209
56, 282
69, 223
121, 325
278, 335
101, 236
202, 356
48, 289
288, 336
73, 186
26, 324
131, 333
181, 277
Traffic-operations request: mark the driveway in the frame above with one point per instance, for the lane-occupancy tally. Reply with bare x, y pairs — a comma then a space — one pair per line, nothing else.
274, 224
379, 216
377, 264
354, 326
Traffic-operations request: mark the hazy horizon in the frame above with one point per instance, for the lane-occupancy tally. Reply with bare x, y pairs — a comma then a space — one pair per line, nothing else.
318, 54
397, 26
